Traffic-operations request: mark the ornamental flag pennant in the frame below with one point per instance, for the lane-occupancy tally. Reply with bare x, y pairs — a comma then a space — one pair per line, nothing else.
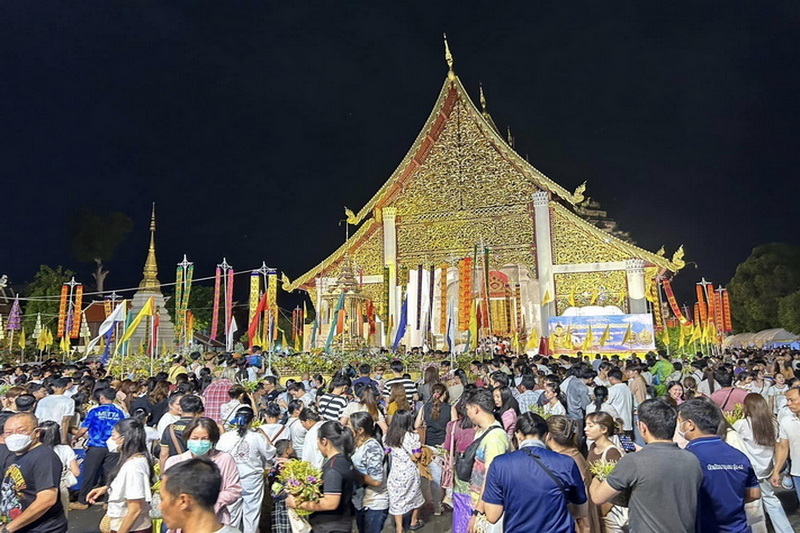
116, 316
147, 310
15, 316
605, 336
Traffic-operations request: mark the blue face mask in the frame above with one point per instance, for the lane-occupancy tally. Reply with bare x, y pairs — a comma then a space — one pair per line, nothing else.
199, 447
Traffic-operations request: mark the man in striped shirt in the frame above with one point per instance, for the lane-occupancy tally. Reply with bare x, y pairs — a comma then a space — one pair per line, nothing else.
409, 386
331, 404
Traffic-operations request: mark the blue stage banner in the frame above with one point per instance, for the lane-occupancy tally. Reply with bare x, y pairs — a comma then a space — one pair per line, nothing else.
609, 334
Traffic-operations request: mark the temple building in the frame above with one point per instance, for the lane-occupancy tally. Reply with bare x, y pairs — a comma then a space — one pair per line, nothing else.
150, 286
464, 219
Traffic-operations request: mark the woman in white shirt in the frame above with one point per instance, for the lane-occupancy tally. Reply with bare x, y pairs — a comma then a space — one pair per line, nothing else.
128, 491
551, 395
271, 429
759, 432
253, 455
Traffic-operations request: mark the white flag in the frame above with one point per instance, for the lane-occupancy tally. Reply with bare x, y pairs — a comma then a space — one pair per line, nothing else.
118, 315
233, 328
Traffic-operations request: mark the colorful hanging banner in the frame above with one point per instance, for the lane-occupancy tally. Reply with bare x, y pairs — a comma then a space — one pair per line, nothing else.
702, 308
178, 301
673, 304
215, 308
419, 297
272, 300
229, 300
255, 289
443, 300
62, 310
76, 312
15, 316
726, 312
712, 312
464, 292
385, 304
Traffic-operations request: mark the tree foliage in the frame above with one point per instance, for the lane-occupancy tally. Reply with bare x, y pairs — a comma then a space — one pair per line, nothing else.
771, 273
45, 290
201, 303
95, 238
789, 312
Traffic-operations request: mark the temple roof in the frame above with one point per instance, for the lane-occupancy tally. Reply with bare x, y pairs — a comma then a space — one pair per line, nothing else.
453, 91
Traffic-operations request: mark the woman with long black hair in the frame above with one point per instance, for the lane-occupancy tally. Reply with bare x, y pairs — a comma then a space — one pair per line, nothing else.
759, 432
506, 409
370, 499
331, 513
252, 454
128, 490
405, 492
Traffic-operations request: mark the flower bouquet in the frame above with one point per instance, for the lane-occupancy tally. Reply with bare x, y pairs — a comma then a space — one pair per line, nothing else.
602, 468
539, 410
736, 414
302, 481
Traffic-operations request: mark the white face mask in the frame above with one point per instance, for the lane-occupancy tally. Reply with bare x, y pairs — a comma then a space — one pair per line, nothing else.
112, 445
16, 443
681, 433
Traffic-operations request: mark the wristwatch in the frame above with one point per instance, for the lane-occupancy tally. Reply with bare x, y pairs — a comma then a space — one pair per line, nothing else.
475, 512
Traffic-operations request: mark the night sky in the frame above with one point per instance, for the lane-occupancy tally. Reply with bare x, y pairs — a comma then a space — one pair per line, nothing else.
252, 125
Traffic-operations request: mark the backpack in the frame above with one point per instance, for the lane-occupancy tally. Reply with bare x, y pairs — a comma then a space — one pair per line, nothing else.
466, 460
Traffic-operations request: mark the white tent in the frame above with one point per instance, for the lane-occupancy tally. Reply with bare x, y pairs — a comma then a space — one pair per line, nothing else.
763, 339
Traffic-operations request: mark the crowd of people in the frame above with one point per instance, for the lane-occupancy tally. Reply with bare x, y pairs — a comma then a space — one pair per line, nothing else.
512, 443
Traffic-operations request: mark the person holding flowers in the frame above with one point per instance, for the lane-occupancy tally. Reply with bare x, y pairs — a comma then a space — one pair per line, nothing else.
603, 455
331, 512
252, 454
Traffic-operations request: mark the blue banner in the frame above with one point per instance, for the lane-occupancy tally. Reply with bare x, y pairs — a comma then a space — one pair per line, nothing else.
609, 334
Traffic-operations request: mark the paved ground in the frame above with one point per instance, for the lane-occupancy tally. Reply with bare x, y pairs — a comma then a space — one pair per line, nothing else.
86, 521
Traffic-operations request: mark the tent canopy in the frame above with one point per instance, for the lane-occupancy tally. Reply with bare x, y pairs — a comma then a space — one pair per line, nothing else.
762, 339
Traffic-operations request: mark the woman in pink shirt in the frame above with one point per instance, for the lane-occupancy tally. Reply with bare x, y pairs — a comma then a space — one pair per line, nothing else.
201, 436
506, 410
459, 435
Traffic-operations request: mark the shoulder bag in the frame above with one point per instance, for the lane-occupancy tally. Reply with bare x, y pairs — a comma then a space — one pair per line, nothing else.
465, 461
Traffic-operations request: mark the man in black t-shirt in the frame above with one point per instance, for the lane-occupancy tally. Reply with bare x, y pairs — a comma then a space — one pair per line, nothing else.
29, 492
172, 439
337, 478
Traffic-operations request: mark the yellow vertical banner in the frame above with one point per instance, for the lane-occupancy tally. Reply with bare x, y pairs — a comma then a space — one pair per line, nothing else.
255, 287
272, 300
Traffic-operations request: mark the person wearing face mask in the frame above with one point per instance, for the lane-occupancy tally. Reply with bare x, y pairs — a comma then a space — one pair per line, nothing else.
129, 494
99, 460
201, 436
29, 498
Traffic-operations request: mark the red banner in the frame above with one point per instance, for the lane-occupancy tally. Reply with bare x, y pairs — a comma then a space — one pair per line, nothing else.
673, 304
726, 311
464, 292
215, 308
712, 308
701, 300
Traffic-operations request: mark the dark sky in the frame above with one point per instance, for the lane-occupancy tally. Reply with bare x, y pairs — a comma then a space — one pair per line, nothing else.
251, 125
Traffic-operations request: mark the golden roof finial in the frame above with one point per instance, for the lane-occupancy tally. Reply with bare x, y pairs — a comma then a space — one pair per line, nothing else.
483, 98
150, 281
448, 57
510, 137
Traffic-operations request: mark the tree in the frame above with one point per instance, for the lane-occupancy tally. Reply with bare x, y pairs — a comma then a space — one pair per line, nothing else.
95, 238
201, 303
771, 273
789, 312
44, 291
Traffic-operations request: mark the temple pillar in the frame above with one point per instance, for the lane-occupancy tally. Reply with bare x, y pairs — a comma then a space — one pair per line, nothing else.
544, 256
634, 270
389, 216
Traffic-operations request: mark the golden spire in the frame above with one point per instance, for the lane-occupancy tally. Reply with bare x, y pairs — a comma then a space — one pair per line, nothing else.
510, 137
483, 98
448, 57
150, 281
